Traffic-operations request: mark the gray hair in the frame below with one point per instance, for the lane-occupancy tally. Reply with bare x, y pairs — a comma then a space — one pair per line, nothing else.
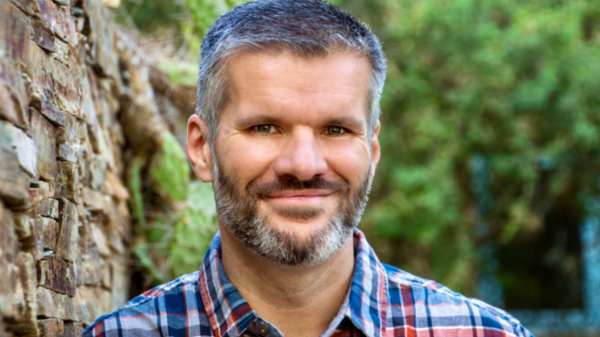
307, 28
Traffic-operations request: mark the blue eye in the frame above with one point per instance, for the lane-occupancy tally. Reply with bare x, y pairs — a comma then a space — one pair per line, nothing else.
264, 128
335, 130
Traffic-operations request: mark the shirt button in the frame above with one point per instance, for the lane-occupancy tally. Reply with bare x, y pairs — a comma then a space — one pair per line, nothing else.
263, 328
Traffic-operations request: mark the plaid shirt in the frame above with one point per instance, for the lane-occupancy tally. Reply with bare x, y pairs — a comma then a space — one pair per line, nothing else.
382, 301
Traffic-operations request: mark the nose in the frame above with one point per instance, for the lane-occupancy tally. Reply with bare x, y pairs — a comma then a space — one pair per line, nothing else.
301, 156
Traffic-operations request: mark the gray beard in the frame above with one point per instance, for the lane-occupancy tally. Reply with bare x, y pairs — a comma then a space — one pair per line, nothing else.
238, 212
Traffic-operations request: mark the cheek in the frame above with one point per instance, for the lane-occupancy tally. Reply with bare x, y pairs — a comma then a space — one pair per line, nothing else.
246, 159
349, 162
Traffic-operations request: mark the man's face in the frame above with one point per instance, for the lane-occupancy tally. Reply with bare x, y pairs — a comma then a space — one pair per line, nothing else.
294, 159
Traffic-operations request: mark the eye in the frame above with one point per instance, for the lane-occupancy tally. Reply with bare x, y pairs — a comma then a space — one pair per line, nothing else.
264, 128
335, 130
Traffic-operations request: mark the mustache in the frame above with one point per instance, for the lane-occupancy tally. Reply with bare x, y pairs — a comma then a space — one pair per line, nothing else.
290, 182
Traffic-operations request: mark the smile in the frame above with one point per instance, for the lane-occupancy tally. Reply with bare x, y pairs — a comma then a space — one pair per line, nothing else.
306, 196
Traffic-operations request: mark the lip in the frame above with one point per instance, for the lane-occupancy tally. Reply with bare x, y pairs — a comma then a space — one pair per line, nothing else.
300, 194
299, 197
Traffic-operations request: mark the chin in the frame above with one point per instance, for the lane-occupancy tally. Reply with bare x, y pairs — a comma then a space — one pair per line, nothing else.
300, 229
290, 242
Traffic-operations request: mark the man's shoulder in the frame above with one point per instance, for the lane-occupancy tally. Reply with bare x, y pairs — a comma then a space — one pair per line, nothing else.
427, 304
166, 306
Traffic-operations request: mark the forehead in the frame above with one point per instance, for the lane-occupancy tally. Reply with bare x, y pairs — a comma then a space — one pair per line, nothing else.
280, 80
285, 66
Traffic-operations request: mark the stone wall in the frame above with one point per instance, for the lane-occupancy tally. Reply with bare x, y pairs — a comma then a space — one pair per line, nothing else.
78, 100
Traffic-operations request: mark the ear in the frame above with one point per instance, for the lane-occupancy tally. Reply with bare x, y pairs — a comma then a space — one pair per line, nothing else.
375, 150
198, 148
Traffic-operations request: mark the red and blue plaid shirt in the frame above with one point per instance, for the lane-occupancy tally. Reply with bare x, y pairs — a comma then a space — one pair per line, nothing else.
382, 301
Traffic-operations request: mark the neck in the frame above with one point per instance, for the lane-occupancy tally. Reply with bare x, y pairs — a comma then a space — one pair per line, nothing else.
311, 295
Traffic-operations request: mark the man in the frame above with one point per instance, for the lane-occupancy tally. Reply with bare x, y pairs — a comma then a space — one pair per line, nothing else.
286, 130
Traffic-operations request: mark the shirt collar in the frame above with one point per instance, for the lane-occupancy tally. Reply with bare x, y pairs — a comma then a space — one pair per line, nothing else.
367, 301
229, 314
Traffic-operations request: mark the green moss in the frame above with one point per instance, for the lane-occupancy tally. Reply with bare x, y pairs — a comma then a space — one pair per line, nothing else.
142, 252
136, 202
201, 197
180, 72
173, 242
170, 171
194, 229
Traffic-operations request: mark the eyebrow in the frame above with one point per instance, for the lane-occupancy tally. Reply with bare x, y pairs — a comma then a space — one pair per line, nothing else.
258, 119
345, 121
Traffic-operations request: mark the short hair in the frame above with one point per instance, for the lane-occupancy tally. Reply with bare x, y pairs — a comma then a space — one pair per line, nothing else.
307, 28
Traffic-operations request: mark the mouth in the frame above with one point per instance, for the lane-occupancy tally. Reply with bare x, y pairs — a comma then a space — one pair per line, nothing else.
305, 196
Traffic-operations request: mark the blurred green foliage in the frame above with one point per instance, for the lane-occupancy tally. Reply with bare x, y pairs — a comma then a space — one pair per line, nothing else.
514, 83
175, 216
152, 17
194, 229
179, 72
510, 84
170, 171
205, 12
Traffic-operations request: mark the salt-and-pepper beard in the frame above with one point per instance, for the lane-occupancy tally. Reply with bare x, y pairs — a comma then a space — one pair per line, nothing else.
240, 215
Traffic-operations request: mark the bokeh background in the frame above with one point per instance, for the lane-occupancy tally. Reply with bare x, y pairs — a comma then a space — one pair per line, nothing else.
490, 175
